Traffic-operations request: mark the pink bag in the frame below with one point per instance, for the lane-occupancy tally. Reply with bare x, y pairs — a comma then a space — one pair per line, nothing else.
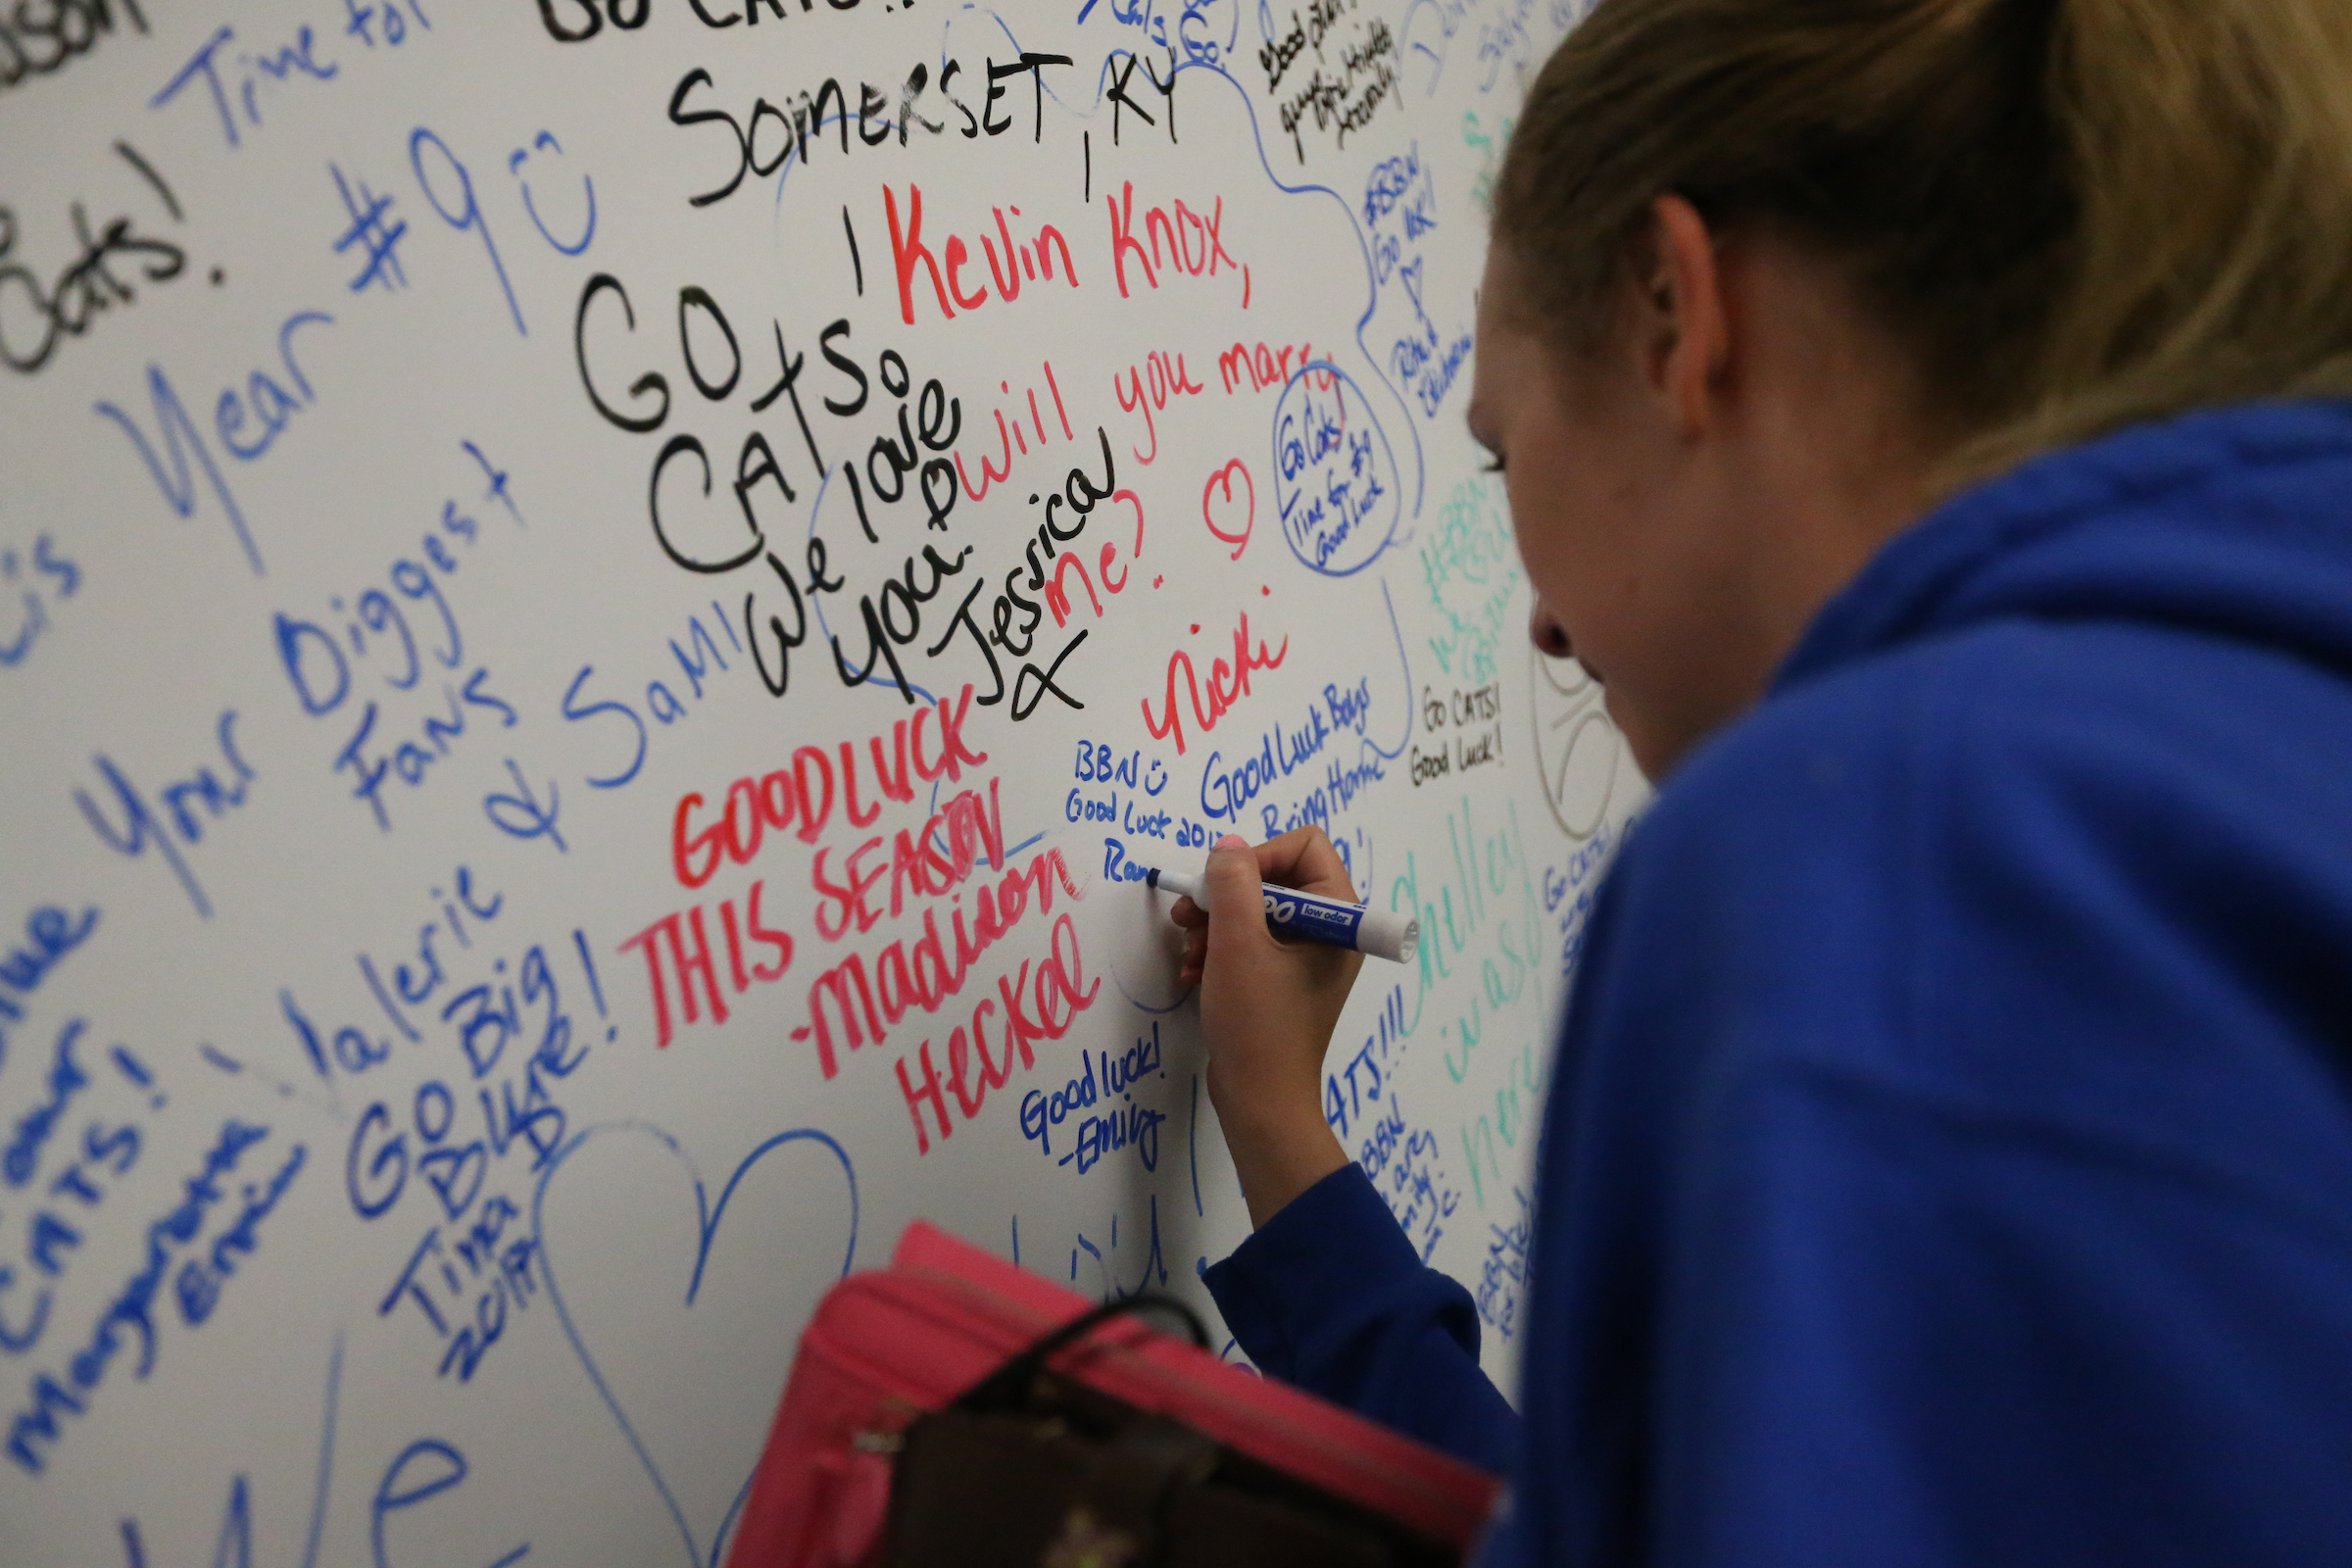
889, 1347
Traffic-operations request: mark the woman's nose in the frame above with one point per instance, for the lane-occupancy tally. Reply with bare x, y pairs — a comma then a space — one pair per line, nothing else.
1544, 630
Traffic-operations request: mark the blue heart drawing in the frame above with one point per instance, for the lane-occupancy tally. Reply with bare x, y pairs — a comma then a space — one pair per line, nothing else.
645, 1343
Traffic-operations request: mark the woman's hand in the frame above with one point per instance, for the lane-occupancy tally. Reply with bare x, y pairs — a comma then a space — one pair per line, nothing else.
1268, 1007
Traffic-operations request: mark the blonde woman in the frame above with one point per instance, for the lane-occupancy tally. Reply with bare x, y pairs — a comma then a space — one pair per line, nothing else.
1921, 414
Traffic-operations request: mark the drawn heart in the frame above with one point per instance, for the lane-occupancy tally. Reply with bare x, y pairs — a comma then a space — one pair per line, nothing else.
1211, 508
685, 1312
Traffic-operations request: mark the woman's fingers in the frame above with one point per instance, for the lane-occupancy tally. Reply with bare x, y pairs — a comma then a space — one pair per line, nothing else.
1304, 859
1267, 1011
1232, 889
1196, 949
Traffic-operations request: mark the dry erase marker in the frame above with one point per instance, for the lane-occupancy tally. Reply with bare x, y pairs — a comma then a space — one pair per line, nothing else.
1302, 914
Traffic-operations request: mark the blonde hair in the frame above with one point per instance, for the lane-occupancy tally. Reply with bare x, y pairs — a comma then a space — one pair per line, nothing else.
2079, 213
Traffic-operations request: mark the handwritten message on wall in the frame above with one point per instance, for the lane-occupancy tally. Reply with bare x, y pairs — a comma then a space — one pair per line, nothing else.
604, 605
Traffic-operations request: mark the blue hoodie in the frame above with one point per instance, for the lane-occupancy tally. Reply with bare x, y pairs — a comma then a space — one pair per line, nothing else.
1950, 1157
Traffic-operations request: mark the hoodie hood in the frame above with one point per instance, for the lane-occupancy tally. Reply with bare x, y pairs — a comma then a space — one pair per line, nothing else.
2235, 523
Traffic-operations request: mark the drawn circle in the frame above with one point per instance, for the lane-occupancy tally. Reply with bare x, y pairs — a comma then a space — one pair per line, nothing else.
1566, 676
1576, 746
1336, 492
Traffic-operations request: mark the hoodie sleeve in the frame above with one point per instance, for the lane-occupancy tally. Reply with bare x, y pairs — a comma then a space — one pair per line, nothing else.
1329, 1296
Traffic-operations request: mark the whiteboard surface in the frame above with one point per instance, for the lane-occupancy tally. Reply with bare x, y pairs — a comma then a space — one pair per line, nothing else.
569, 592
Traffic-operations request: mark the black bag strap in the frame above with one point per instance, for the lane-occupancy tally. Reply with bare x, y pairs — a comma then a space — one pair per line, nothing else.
1007, 1387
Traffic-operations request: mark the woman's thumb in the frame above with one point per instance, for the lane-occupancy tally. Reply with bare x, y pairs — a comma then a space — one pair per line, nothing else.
1235, 895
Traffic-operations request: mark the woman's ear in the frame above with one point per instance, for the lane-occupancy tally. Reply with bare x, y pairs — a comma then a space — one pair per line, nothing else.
1683, 340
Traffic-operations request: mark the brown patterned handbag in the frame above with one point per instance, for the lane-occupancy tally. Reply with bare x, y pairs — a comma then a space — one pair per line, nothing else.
1035, 1469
